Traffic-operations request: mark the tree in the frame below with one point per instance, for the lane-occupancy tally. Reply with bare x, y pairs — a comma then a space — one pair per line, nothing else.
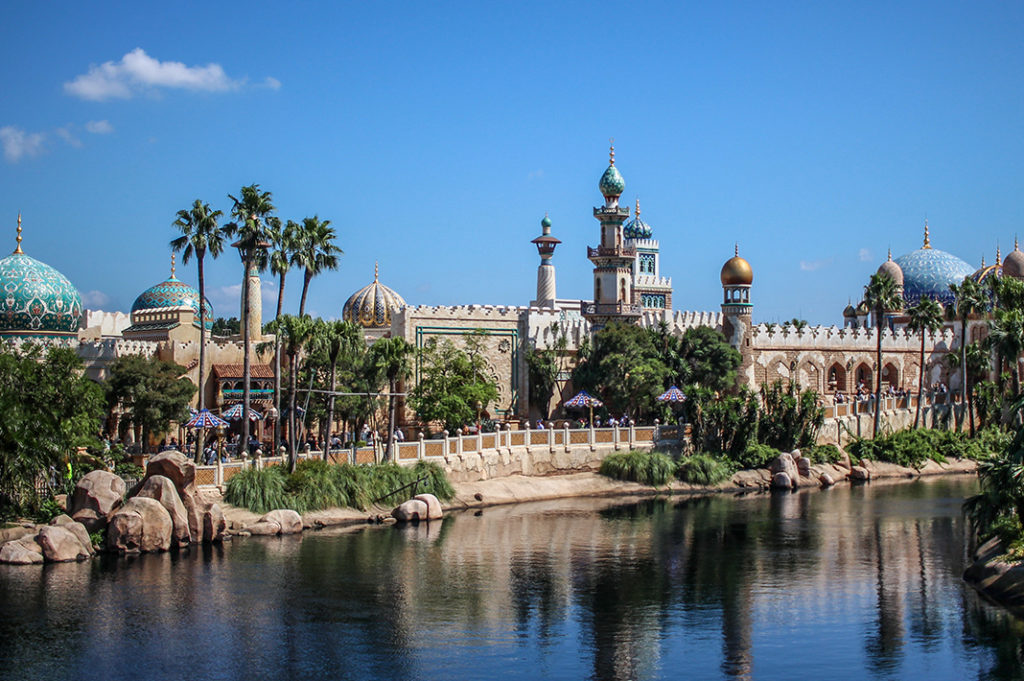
295, 333
625, 369
283, 242
706, 359
788, 417
925, 318
450, 385
881, 295
970, 300
315, 252
392, 358
542, 366
1002, 488
151, 392
226, 326
200, 234
47, 408
333, 341
251, 210
1006, 335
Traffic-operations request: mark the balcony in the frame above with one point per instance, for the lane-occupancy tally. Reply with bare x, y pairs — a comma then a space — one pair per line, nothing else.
624, 309
603, 252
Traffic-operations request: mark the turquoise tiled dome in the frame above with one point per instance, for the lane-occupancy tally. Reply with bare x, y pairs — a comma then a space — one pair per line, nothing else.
611, 183
929, 272
36, 300
172, 293
372, 305
637, 228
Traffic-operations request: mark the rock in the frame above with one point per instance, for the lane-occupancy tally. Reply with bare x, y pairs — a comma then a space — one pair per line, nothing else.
24, 551
478, 496
243, 533
62, 519
262, 528
434, 511
826, 480
174, 465
214, 524
860, 474
796, 454
781, 480
95, 496
784, 463
161, 489
290, 521
61, 545
413, 510
194, 508
78, 529
62, 501
141, 525
803, 465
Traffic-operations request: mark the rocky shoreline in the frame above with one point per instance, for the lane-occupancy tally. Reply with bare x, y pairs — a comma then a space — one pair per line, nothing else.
999, 581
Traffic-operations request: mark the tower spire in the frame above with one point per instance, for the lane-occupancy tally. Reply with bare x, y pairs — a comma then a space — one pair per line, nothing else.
376, 269
611, 151
172, 265
927, 241
736, 250
999, 255
890, 253
18, 249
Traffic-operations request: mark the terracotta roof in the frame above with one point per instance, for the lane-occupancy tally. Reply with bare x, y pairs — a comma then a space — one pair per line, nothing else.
236, 370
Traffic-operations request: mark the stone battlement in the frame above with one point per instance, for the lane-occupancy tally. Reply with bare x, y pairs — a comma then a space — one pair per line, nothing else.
507, 312
834, 337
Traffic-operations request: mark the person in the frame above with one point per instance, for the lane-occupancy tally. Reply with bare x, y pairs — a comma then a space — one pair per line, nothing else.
540, 425
399, 435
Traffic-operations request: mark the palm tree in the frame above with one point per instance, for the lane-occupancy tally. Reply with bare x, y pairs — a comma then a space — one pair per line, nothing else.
970, 299
1006, 334
315, 252
925, 317
251, 210
881, 295
392, 357
283, 244
295, 333
336, 339
200, 234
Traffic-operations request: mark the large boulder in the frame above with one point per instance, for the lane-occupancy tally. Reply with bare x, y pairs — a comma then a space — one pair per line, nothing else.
174, 465
24, 551
290, 521
781, 480
803, 465
784, 463
825, 480
141, 525
263, 528
61, 545
160, 488
76, 528
859, 474
434, 511
413, 510
194, 507
95, 496
214, 524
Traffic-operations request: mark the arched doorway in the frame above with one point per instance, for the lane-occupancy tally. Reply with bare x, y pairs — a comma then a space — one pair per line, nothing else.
890, 376
863, 376
837, 378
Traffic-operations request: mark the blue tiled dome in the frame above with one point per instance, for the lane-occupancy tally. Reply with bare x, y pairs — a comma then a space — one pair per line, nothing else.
637, 228
172, 293
36, 300
929, 272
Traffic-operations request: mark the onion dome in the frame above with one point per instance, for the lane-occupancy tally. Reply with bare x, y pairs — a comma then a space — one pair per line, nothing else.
36, 300
371, 306
736, 271
929, 272
892, 270
546, 223
1013, 266
850, 311
862, 308
173, 294
637, 228
611, 184
982, 274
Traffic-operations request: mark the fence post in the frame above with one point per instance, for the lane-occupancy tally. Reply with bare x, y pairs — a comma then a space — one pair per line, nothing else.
458, 446
421, 448
220, 473
479, 440
551, 437
447, 445
565, 435
615, 436
632, 432
590, 436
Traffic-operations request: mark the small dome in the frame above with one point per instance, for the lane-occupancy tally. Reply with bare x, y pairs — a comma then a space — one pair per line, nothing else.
737, 272
862, 308
1013, 266
35, 299
637, 228
850, 311
371, 306
546, 222
894, 272
170, 294
611, 183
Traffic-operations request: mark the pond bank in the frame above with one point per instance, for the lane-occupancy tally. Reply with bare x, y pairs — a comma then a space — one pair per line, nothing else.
996, 579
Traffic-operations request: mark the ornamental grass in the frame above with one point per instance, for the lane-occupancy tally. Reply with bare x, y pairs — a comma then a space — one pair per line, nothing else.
647, 468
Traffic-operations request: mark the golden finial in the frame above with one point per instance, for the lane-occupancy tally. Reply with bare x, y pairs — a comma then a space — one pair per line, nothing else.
611, 151
999, 255
18, 249
927, 241
890, 253
1015, 243
983, 261
736, 251
376, 270
638, 206
172, 266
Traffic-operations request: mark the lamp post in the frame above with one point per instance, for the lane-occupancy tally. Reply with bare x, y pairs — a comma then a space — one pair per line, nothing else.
247, 250
479, 406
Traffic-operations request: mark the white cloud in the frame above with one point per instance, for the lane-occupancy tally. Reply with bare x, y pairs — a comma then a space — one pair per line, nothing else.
272, 83
812, 265
18, 143
138, 72
95, 300
99, 127
864, 255
69, 137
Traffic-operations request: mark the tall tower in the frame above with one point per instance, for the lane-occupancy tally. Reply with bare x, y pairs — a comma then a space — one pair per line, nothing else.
613, 260
737, 277
255, 304
650, 289
546, 271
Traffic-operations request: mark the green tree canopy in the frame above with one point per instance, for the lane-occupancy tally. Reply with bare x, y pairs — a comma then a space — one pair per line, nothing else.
706, 359
151, 392
452, 381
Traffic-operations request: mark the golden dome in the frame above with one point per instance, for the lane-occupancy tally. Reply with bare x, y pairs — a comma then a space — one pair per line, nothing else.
736, 271
371, 306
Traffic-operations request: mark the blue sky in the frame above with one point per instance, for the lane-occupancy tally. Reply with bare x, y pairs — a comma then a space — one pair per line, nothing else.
435, 136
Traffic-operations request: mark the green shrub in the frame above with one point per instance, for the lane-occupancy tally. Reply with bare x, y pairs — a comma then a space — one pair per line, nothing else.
822, 454
913, 448
129, 471
703, 469
757, 456
259, 490
648, 468
47, 511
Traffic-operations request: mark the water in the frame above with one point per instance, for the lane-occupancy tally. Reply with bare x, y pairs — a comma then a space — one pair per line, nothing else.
859, 583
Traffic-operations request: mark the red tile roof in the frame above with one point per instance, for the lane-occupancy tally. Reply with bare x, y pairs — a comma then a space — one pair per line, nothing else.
236, 370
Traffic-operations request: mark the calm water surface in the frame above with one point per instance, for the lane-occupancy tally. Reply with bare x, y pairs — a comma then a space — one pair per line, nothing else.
859, 583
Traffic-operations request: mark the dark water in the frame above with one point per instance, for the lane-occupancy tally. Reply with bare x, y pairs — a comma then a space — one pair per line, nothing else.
857, 583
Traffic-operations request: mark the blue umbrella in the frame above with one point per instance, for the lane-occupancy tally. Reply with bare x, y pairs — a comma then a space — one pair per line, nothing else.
673, 395
235, 413
583, 399
205, 419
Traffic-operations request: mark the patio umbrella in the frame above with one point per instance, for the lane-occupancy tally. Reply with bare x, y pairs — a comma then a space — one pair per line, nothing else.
584, 399
673, 396
235, 413
205, 420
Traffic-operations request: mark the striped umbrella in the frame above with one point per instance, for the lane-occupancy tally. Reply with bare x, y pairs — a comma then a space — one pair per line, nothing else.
584, 399
235, 413
673, 395
205, 419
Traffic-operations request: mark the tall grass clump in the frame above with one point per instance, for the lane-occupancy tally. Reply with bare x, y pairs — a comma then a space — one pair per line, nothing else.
703, 469
259, 490
648, 468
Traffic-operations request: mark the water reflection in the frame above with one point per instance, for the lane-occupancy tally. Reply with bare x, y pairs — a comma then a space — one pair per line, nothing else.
863, 582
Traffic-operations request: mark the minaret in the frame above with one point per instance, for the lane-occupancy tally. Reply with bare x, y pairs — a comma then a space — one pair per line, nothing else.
737, 277
546, 271
613, 260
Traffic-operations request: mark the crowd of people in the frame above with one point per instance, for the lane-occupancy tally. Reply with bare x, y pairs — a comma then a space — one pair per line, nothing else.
863, 393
